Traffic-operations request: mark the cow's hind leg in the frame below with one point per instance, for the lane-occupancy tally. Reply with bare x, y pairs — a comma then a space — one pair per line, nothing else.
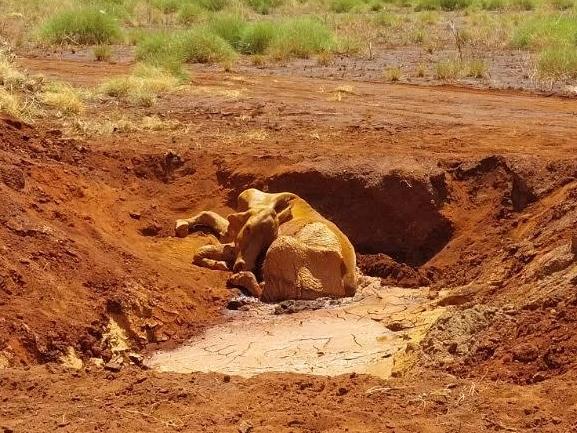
219, 257
208, 219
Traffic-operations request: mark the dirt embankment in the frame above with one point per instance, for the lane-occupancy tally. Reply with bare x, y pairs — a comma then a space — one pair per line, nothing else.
86, 235
75, 235
454, 188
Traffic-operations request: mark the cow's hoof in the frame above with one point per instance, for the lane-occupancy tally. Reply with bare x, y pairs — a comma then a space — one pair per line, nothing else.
181, 229
246, 280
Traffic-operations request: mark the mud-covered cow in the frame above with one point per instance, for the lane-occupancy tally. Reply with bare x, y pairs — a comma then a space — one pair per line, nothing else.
305, 255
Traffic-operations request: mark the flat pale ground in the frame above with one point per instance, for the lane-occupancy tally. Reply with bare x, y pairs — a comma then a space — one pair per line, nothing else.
351, 337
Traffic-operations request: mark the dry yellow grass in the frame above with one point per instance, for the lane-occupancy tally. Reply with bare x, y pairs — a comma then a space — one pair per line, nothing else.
142, 87
62, 98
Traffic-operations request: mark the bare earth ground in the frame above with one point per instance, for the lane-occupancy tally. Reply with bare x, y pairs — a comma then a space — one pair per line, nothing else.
470, 193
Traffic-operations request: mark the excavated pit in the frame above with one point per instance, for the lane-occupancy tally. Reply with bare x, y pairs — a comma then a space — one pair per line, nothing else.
385, 207
401, 216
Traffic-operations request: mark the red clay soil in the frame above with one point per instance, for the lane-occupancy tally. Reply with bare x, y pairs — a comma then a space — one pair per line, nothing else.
474, 192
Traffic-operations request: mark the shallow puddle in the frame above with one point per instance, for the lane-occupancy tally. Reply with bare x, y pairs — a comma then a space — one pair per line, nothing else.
360, 335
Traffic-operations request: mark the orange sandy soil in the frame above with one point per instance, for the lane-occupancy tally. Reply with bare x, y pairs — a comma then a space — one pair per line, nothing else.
467, 190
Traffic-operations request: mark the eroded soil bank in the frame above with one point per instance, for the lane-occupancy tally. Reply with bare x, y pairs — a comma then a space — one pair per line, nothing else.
471, 196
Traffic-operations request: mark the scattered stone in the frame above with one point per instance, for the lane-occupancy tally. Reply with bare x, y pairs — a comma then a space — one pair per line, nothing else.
135, 358
13, 178
342, 391
226, 378
295, 306
525, 353
151, 229
399, 325
245, 426
7, 429
135, 215
113, 365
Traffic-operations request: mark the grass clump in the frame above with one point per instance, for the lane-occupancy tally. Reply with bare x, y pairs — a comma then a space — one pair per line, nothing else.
142, 87
229, 27
546, 31
454, 68
190, 13
10, 77
81, 26
476, 68
202, 46
167, 6
102, 53
63, 98
448, 69
343, 6
562, 5
522, 5
198, 45
393, 74
445, 5
386, 19
9, 103
214, 5
257, 38
556, 63
263, 7
493, 5
301, 38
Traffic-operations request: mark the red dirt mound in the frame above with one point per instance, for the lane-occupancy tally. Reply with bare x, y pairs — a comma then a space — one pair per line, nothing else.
72, 221
391, 272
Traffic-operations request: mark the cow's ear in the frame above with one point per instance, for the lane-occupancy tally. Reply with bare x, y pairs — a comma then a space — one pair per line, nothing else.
238, 219
285, 215
283, 201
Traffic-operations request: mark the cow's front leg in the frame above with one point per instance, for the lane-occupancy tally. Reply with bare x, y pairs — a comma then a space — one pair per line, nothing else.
246, 280
208, 219
219, 257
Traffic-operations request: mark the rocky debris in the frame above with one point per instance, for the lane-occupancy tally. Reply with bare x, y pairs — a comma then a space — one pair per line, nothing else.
295, 306
241, 303
555, 261
453, 333
114, 364
390, 271
13, 178
399, 325
151, 229
245, 427
526, 352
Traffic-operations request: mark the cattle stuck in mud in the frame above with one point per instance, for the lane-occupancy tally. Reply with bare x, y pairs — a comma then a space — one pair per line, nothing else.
278, 247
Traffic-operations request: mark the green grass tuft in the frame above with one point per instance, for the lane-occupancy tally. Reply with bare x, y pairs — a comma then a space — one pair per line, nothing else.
229, 27
546, 31
301, 38
214, 5
264, 7
81, 26
257, 38
190, 13
343, 6
556, 63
